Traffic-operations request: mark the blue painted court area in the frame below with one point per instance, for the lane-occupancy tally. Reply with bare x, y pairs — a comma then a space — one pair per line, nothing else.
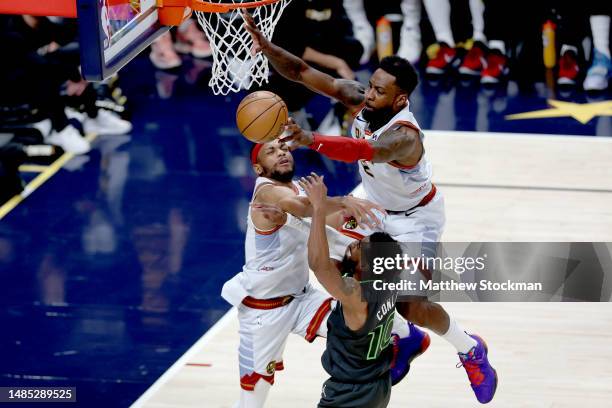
112, 269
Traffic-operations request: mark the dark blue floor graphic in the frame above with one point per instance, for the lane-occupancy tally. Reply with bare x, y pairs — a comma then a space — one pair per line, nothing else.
113, 268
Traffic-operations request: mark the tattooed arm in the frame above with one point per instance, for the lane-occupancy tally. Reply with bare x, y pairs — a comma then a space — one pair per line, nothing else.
350, 93
346, 289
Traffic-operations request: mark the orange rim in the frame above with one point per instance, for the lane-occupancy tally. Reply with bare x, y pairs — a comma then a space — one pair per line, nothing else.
208, 7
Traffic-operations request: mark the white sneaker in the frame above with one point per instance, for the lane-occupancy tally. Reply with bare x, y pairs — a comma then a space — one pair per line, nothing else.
70, 140
599, 73
74, 114
106, 123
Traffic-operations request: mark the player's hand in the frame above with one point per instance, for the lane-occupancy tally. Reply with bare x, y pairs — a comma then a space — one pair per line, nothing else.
296, 135
362, 211
315, 189
270, 212
260, 42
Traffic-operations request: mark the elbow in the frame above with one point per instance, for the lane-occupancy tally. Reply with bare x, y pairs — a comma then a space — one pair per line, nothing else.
314, 262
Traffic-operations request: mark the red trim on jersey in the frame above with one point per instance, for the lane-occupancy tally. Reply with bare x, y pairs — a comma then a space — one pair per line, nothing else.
248, 382
358, 109
429, 196
401, 166
267, 304
406, 123
268, 232
352, 234
317, 319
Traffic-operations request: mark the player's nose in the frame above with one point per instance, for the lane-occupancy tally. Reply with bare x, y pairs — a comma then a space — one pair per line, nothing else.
370, 94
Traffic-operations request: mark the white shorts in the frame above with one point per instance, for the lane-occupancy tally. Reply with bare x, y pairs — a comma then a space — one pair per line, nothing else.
263, 333
423, 224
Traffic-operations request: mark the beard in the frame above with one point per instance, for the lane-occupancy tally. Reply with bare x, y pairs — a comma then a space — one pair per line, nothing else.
377, 118
282, 177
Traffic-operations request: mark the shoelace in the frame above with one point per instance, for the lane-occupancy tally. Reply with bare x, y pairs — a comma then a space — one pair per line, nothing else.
472, 366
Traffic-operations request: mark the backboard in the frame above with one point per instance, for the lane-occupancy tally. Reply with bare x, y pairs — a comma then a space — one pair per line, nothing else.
117, 30
111, 32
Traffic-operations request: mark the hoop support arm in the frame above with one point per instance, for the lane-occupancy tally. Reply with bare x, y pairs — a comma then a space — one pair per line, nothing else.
59, 8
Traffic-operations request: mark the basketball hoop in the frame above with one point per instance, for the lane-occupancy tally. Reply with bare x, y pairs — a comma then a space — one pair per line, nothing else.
234, 68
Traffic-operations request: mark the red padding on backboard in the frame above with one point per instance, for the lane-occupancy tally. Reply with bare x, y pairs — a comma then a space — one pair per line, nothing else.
61, 8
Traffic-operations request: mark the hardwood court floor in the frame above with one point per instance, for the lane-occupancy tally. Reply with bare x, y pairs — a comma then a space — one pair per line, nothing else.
497, 187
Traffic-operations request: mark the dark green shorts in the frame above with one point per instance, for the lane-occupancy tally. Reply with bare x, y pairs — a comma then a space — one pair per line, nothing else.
374, 394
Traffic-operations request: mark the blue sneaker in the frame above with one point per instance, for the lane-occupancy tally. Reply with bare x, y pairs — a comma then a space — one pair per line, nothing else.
483, 377
599, 73
407, 349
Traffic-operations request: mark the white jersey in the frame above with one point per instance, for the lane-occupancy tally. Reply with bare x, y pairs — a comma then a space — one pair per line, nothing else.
276, 261
391, 185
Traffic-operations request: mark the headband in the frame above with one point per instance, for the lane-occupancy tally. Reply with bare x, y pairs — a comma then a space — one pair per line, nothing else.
255, 152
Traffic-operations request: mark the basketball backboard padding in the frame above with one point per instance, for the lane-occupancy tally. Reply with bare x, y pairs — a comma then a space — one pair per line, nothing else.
60, 8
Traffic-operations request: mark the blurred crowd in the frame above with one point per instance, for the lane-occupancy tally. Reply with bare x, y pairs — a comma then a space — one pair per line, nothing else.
46, 107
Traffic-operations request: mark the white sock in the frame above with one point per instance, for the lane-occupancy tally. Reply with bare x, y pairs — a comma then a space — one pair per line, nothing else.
600, 26
459, 338
255, 398
498, 45
477, 11
400, 326
439, 15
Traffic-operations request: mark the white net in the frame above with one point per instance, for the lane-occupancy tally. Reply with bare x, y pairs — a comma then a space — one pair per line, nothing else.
234, 68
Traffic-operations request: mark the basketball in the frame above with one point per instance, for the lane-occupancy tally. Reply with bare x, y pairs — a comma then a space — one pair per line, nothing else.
261, 116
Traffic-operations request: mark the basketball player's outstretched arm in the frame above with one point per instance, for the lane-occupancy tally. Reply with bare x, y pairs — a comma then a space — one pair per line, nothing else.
400, 143
346, 290
301, 207
350, 93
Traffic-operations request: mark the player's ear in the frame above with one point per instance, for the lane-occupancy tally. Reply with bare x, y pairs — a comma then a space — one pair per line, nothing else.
258, 169
401, 101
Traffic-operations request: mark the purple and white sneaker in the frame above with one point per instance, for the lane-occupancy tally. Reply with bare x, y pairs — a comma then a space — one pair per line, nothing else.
407, 349
483, 377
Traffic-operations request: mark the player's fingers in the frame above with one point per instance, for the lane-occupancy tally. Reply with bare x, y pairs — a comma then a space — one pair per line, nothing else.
286, 139
372, 218
305, 184
247, 16
316, 177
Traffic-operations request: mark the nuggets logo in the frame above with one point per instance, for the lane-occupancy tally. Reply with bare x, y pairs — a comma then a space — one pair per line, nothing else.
271, 367
350, 224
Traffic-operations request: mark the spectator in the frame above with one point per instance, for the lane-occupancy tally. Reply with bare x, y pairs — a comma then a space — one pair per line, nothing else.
39, 60
321, 33
189, 40
439, 12
600, 70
